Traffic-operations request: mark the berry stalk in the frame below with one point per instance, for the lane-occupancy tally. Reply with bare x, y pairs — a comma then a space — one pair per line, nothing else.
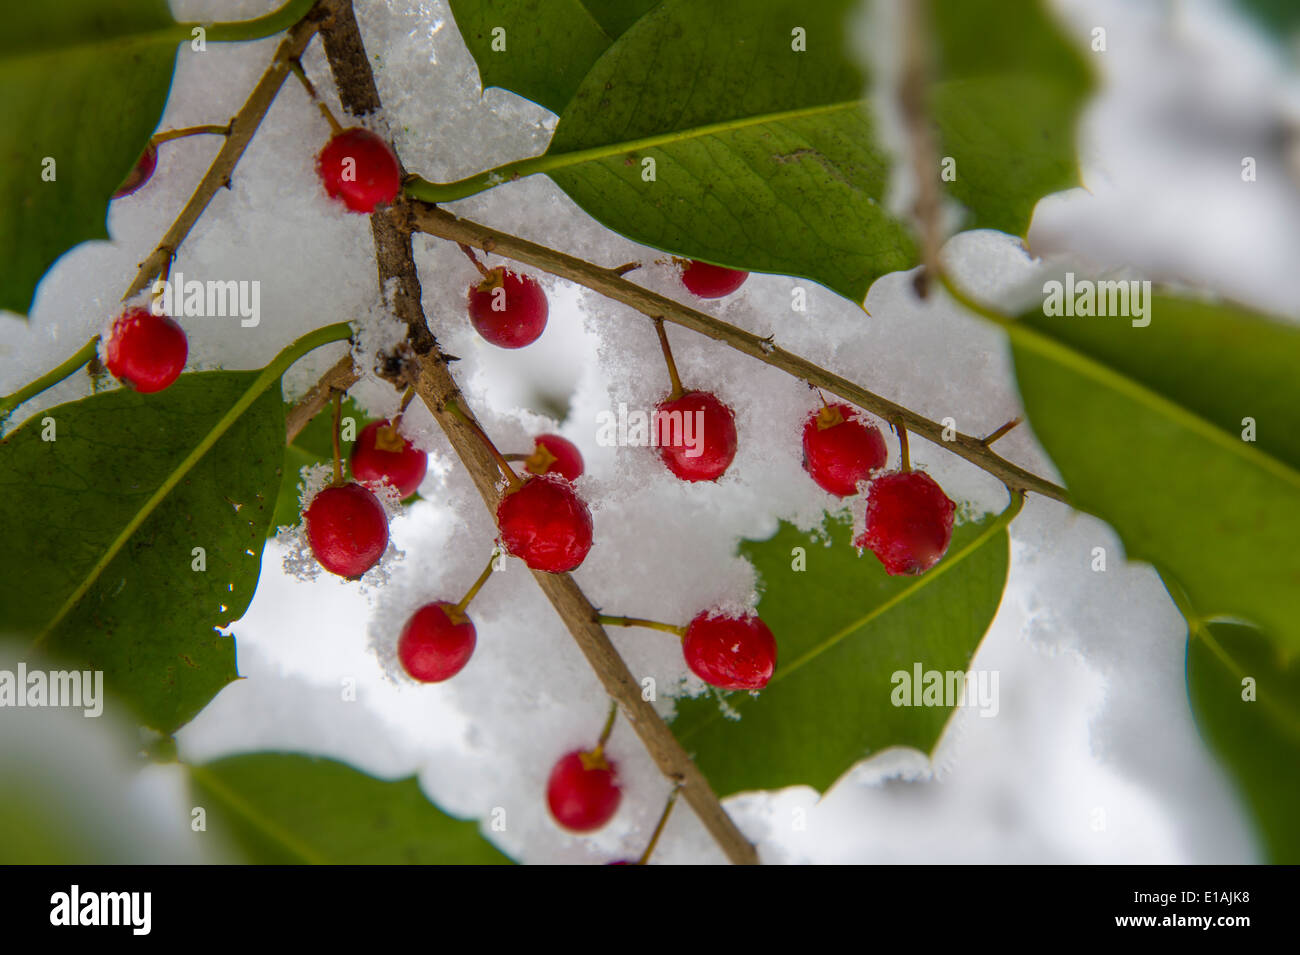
497, 456
677, 391
659, 827
478, 585
338, 452
611, 621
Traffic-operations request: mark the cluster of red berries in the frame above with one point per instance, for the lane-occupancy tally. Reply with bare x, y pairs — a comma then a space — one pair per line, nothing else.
542, 519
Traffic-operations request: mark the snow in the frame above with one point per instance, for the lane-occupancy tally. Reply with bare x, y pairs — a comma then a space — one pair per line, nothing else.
1093, 756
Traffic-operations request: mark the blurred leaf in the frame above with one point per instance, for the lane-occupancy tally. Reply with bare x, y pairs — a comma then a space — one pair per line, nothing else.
1279, 17
1146, 426
314, 445
1256, 739
148, 619
550, 44
286, 809
843, 628
766, 158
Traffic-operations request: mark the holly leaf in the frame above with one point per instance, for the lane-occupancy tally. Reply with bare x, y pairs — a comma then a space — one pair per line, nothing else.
738, 132
85, 82
541, 49
314, 445
1245, 696
283, 809
105, 570
1184, 436
852, 642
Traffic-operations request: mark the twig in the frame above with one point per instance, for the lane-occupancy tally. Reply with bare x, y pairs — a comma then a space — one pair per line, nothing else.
438, 389
340, 377
435, 221
913, 101
242, 127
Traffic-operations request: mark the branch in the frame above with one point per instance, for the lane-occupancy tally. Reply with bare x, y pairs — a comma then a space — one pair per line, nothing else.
913, 100
340, 377
436, 386
607, 282
242, 127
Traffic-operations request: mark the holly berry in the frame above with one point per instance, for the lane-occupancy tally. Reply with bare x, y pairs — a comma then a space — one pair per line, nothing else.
711, 281
381, 454
358, 167
436, 642
713, 436
347, 529
909, 522
508, 309
140, 173
544, 522
733, 653
145, 350
555, 455
583, 792
839, 450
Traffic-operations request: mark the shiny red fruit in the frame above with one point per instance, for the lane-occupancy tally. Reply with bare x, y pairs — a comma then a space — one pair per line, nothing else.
711, 281
583, 792
555, 455
839, 449
909, 522
436, 643
347, 529
696, 435
358, 167
140, 173
546, 524
733, 653
145, 350
380, 454
508, 309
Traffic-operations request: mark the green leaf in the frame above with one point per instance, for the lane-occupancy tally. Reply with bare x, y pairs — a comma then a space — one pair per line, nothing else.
844, 628
549, 44
85, 82
1146, 425
1253, 728
144, 616
314, 445
767, 158
287, 809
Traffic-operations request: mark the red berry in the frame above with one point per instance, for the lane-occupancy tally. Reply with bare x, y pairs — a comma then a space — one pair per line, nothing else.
696, 435
508, 309
733, 653
839, 450
555, 455
380, 454
145, 350
140, 173
347, 529
909, 522
583, 791
436, 642
711, 281
358, 167
545, 523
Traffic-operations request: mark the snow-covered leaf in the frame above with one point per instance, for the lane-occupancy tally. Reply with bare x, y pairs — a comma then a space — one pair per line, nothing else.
286, 809
844, 628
